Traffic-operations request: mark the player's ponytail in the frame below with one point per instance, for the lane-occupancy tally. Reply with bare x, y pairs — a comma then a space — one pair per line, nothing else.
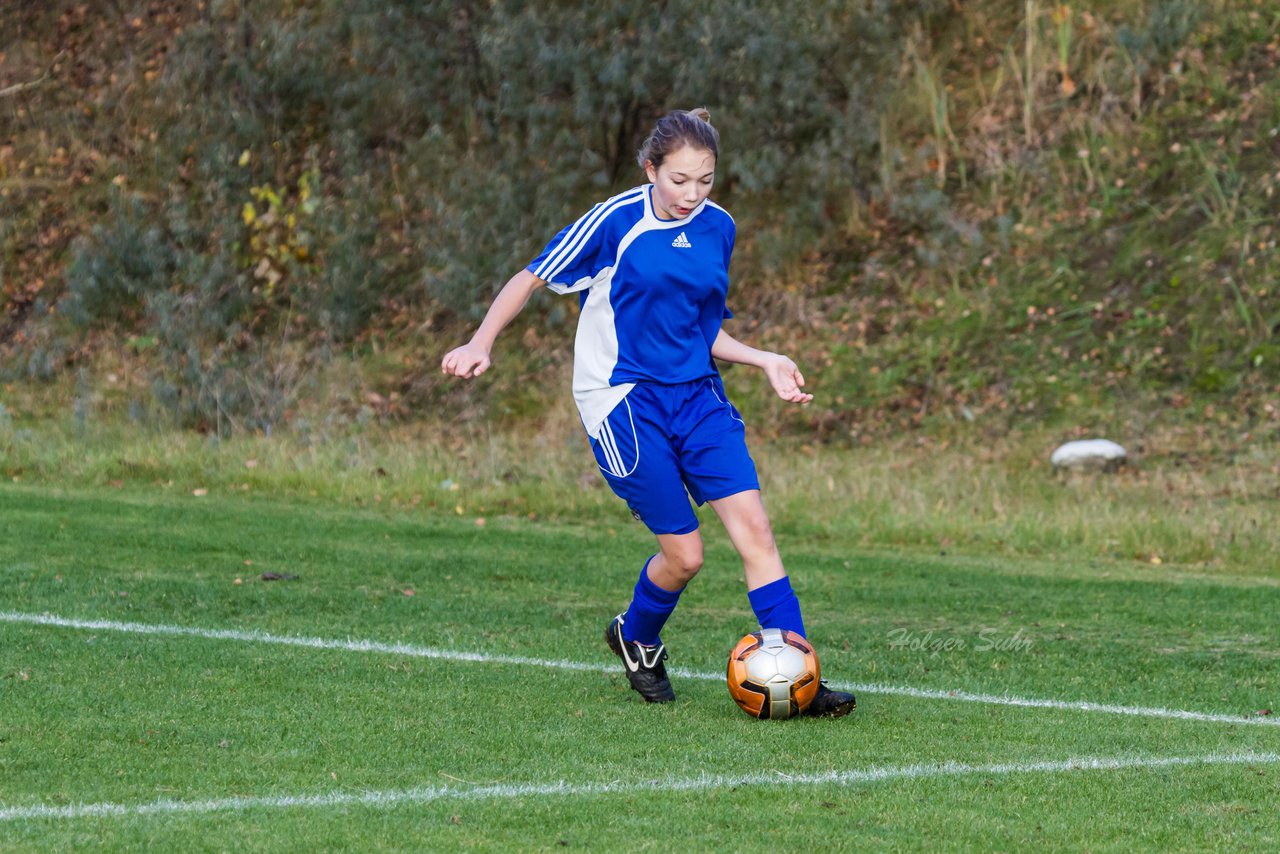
701, 113
677, 129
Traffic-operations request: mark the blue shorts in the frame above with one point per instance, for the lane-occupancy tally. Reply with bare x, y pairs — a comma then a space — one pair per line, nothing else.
662, 441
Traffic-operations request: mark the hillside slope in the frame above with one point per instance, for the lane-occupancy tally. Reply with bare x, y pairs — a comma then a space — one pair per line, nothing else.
951, 215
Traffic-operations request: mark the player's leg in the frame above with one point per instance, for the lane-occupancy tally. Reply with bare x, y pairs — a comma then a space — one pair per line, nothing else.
639, 465
768, 588
678, 560
634, 635
719, 469
662, 580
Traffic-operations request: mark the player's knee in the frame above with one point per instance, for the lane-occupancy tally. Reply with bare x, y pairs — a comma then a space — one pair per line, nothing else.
686, 562
758, 534
690, 566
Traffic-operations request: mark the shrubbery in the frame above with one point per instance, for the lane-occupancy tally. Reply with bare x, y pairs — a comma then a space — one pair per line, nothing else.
297, 178
317, 162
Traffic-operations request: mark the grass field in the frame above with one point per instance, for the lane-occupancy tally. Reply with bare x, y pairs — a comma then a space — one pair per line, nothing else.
427, 682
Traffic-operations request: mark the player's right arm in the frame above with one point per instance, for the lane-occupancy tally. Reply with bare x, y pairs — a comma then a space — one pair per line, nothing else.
472, 359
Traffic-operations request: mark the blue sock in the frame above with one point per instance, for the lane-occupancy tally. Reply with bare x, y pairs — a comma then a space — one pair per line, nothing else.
777, 607
650, 607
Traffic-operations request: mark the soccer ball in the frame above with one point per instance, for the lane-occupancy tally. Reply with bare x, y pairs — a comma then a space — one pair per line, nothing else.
773, 674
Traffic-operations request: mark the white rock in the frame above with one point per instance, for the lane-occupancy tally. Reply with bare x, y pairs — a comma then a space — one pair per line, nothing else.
1089, 453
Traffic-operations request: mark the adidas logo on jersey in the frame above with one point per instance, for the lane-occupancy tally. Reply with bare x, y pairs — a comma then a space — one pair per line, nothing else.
682, 242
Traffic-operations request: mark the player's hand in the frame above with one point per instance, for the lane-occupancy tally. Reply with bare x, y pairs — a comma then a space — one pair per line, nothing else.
466, 361
786, 379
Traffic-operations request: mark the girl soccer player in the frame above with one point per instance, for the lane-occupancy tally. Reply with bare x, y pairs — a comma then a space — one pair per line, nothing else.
651, 267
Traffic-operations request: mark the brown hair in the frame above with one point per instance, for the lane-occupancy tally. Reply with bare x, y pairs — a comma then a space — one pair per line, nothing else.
676, 129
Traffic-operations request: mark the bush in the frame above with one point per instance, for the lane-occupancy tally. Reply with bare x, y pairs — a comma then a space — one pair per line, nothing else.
326, 161
314, 177
118, 266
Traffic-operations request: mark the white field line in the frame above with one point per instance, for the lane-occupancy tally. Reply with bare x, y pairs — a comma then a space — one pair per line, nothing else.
560, 664
561, 788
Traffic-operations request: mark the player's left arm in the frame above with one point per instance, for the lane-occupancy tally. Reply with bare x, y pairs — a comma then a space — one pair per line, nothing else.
783, 374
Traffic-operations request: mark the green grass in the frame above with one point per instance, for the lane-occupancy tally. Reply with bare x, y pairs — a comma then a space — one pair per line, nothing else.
1199, 498
103, 716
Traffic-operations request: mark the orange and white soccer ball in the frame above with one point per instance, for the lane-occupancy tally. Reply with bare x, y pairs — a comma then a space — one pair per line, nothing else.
773, 674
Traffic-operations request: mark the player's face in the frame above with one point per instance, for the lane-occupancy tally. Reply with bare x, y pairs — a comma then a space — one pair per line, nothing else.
682, 181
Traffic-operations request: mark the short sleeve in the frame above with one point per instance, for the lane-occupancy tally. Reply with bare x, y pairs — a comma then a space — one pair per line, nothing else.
572, 259
577, 255
731, 236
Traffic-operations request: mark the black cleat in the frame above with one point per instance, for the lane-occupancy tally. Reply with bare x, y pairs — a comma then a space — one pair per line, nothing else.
831, 704
645, 670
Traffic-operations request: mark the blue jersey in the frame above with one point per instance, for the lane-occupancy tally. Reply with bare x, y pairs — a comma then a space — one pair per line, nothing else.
652, 295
